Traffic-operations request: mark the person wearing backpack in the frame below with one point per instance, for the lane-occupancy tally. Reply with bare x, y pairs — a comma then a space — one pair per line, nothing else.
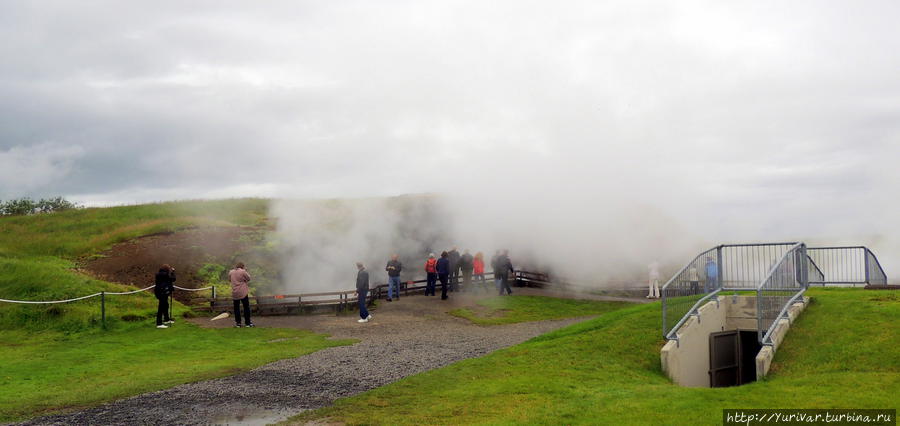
453, 258
165, 286
465, 267
504, 267
496, 271
443, 272
430, 274
478, 266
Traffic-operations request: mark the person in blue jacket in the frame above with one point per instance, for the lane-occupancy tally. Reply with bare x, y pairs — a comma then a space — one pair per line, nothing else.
443, 271
712, 275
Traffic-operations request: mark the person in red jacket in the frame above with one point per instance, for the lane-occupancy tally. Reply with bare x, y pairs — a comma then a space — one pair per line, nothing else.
478, 269
431, 274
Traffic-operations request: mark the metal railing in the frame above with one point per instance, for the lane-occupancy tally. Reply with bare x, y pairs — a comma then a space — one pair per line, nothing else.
784, 284
684, 292
849, 266
779, 274
721, 268
744, 266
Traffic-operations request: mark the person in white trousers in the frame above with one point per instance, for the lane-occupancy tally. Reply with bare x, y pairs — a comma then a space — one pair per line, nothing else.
654, 281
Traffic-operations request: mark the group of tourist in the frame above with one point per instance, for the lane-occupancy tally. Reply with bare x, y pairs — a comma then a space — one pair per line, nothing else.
240, 294
451, 266
447, 269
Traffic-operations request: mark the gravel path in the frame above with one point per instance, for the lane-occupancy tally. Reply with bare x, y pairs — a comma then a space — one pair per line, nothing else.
405, 337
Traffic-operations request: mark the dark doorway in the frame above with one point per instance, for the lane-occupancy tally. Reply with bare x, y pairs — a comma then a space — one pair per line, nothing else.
732, 358
749, 349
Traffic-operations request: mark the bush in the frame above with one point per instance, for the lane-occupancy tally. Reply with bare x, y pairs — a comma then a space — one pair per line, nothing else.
26, 206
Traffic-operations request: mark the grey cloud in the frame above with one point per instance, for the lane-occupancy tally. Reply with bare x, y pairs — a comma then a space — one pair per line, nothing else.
700, 110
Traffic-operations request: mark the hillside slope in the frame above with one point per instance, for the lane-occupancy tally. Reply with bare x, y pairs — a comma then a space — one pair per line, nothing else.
841, 353
39, 255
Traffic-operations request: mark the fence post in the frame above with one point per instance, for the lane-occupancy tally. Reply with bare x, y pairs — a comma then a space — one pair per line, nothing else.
212, 303
804, 267
665, 332
103, 308
866, 254
720, 267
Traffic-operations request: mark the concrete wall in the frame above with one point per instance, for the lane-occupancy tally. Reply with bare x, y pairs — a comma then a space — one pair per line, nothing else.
686, 362
767, 353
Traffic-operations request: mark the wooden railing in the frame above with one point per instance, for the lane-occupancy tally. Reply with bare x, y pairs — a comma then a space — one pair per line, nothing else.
341, 301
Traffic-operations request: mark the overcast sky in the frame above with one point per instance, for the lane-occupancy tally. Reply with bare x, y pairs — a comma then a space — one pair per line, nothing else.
758, 112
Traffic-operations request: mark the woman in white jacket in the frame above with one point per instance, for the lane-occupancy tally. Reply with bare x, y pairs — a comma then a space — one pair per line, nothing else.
654, 281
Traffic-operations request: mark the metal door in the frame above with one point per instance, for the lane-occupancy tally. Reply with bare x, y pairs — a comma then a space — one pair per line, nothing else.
724, 359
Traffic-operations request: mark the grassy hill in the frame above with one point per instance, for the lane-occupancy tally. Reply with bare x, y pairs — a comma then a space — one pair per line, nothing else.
37, 255
841, 353
57, 357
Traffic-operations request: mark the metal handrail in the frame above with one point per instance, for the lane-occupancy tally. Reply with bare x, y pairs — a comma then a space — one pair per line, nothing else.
878, 264
742, 270
681, 271
673, 334
777, 264
847, 265
767, 338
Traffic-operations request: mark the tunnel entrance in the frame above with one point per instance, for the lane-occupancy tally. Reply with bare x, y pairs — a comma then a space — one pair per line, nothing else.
732, 358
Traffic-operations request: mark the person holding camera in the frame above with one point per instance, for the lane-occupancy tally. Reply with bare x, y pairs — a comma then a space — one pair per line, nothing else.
240, 293
165, 286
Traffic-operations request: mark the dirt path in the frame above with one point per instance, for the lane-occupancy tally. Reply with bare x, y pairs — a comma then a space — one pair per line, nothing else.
407, 336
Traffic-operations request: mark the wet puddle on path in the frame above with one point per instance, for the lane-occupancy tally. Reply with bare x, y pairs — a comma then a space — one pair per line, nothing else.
250, 417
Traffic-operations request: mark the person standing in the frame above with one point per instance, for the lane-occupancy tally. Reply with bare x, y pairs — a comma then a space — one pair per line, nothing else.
653, 281
165, 285
453, 257
393, 269
240, 293
504, 266
478, 267
712, 275
362, 290
430, 274
694, 278
465, 267
496, 270
443, 272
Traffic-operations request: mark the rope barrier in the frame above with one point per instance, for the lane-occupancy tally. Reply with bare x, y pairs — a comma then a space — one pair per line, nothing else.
132, 292
47, 302
190, 289
34, 302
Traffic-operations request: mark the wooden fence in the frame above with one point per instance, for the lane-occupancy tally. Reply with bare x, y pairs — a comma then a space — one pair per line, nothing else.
342, 301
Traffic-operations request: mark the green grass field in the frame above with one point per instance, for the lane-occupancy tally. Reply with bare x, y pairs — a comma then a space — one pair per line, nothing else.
49, 372
58, 357
513, 309
81, 232
841, 353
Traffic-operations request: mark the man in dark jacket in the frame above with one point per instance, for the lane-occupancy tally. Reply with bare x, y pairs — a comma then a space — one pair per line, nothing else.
496, 270
504, 267
453, 257
362, 289
443, 271
466, 263
165, 286
393, 269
